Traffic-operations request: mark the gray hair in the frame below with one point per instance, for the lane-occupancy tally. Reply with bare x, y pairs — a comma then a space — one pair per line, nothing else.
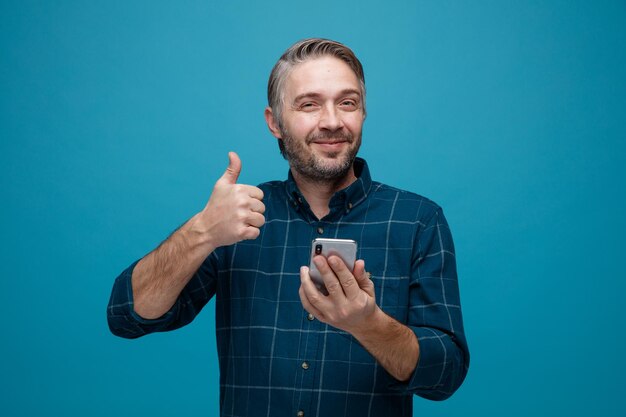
298, 53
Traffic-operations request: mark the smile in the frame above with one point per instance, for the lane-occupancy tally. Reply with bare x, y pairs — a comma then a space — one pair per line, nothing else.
330, 145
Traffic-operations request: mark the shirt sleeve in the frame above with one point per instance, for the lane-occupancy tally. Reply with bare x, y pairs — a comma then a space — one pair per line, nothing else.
124, 322
435, 314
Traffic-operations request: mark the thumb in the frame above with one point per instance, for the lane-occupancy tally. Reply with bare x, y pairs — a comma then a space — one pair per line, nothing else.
234, 169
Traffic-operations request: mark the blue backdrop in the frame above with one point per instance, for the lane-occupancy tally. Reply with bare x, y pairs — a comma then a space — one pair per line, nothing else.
116, 118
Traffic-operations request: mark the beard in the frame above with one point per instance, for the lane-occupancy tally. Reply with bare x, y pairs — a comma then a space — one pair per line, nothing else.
332, 167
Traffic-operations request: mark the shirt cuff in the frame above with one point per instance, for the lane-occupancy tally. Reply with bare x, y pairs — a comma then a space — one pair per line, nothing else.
429, 379
123, 320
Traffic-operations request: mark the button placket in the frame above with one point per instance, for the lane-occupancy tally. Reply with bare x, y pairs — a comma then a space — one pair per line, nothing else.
306, 368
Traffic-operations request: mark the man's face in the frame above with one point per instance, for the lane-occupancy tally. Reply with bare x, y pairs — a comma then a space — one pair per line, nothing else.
322, 119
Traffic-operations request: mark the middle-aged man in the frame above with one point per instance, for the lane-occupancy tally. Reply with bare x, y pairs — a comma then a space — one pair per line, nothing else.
370, 341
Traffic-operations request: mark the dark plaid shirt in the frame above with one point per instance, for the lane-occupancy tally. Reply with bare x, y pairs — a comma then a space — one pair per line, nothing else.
277, 360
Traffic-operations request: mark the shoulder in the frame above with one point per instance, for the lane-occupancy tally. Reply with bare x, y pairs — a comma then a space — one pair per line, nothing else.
412, 204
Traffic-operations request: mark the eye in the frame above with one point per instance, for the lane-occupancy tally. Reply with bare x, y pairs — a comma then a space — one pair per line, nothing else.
349, 105
308, 106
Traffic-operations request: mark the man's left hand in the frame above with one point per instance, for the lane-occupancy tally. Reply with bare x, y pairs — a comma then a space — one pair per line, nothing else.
350, 302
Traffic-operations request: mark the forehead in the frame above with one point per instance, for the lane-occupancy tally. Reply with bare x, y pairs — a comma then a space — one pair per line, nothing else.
324, 76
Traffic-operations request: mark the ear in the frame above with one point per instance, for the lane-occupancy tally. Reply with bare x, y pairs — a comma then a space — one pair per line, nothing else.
271, 123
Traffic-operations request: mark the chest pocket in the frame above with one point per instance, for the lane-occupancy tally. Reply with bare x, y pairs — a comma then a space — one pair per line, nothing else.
391, 290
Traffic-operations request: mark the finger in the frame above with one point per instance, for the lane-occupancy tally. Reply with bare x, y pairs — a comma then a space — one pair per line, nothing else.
359, 272
250, 191
254, 192
255, 219
333, 286
257, 206
313, 296
363, 277
231, 174
306, 304
347, 280
250, 233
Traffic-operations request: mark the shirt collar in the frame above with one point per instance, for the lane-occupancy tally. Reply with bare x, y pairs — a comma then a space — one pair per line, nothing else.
343, 200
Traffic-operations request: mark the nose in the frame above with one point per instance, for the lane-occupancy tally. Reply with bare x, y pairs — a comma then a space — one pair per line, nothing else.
330, 118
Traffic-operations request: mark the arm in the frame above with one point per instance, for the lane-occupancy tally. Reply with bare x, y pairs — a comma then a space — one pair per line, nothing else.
428, 354
435, 313
158, 278
391, 343
234, 213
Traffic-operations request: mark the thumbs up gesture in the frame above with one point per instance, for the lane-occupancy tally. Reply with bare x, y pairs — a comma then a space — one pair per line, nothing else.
234, 211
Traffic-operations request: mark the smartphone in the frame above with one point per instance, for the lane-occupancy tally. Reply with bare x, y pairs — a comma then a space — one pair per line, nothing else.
344, 248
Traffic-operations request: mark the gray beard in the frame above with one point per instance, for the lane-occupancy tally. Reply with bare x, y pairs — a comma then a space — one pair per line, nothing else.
313, 168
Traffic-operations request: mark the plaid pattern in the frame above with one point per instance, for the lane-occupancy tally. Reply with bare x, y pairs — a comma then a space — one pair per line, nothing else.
276, 360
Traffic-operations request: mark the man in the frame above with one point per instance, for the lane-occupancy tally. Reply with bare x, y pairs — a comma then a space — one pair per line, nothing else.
374, 338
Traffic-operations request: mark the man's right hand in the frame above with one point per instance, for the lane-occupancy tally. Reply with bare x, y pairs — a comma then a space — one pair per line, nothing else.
234, 211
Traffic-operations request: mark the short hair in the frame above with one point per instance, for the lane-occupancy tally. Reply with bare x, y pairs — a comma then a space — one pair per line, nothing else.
303, 51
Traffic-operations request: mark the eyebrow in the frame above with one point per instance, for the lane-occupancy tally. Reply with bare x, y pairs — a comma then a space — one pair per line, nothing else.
347, 91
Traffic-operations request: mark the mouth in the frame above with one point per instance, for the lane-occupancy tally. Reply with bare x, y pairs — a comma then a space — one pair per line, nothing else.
329, 141
330, 145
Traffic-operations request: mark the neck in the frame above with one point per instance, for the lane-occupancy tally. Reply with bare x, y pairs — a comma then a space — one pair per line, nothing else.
319, 193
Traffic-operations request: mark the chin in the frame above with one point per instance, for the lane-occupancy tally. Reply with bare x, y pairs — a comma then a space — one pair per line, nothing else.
334, 159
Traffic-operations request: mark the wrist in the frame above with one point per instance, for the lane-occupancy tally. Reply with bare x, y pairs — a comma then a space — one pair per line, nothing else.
197, 234
371, 327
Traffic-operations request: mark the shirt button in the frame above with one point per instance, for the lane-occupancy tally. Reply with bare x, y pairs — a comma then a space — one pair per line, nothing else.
300, 413
310, 317
320, 230
305, 365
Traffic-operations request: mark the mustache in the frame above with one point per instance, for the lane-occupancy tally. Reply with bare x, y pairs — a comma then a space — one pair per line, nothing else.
332, 136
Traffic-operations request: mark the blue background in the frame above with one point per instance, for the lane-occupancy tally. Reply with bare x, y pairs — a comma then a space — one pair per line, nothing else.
116, 118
